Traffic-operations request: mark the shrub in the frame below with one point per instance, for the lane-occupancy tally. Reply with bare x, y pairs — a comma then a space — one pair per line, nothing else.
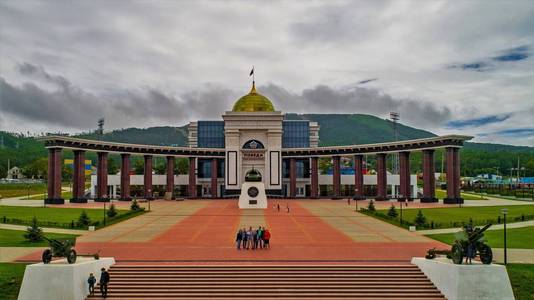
420, 219
371, 206
112, 211
34, 233
135, 206
392, 212
84, 220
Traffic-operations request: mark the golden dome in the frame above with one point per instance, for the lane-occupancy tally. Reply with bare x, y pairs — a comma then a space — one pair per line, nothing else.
253, 102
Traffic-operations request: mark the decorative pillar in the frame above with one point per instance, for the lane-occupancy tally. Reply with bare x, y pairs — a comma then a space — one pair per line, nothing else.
102, 177
314, 193
336, 179
213, 178
404, 177
125, 177
78, 177
147, 178
453, 176
169, 188
192, 178
429, 180
358, 177
381, 177
54, 177
292, 178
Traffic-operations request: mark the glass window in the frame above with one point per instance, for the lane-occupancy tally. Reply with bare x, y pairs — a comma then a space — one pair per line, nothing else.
210, 134
296, 134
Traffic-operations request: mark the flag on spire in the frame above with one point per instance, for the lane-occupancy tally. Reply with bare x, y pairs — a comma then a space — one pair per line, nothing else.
251, 72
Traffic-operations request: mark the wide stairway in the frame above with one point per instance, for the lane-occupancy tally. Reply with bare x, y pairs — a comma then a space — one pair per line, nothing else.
269, 282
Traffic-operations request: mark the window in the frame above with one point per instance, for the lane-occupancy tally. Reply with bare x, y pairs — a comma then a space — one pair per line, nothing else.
296, 134
210, 134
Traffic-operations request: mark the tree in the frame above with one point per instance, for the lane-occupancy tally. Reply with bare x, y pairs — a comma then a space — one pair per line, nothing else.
135, 206
371, 206
160, 167
113, 167
420, 219
84, 220
181, 165
139, 167
392, 212
112, 211
36, 169
34, 233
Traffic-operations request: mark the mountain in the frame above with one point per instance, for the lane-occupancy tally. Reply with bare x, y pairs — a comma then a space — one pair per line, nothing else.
335, 129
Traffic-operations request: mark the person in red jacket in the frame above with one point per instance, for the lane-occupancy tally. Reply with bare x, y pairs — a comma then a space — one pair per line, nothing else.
266, 238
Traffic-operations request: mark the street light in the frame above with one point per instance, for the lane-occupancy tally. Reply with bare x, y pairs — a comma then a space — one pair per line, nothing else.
149, 190
356, 198
28, 191
401, 203
504, 211
105, 196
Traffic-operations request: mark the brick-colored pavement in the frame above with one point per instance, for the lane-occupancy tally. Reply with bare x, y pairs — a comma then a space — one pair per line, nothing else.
197, 232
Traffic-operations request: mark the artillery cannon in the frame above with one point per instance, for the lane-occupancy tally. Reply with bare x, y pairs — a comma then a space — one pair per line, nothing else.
60, 248
469, 243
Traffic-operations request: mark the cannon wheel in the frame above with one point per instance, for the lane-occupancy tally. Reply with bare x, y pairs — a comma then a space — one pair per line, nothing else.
71, 257
486, 255
47, 256
457, 254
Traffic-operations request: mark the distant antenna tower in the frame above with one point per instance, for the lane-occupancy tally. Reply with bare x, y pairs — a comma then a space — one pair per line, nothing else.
100, 130
394, 116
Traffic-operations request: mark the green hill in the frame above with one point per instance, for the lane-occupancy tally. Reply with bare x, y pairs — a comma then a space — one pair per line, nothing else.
335, 129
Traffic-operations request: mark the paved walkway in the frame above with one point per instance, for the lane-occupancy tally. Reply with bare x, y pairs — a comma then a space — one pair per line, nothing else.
197, 232
9, 254
45, 229
522, 256
493, 227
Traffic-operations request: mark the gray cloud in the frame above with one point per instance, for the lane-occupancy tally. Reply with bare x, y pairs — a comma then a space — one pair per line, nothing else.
325, 99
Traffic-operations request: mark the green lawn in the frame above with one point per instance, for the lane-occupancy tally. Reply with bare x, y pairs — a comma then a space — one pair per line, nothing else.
11, 275
440, 194
15, 238
61, 216
515, 238
522, 277
9, 190
454, 216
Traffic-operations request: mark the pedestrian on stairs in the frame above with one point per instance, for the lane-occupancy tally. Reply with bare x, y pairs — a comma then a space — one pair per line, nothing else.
104, 281
92, 281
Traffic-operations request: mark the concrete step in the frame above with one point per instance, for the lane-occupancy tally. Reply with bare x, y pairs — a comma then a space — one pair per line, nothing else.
269, 282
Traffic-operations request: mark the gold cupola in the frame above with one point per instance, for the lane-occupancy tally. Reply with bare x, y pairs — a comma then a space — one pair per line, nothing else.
253, 102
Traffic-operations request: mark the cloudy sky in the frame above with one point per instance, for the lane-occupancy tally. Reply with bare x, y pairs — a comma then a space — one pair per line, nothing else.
464, 67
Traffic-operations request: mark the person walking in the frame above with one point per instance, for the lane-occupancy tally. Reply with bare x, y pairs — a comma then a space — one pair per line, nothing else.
278, 206
239, 239
92, 281
266, 238
104, 281
287, 206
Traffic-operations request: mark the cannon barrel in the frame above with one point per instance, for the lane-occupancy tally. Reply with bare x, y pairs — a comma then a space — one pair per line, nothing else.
478, 233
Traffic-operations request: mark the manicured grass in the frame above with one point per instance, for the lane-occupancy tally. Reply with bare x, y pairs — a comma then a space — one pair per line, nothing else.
11, 275
440, 194
515, 238
58, 217
9, 190
454, 216
15, 238
522, 277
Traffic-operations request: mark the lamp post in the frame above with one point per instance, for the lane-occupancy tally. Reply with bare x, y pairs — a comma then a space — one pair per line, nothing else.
401, 203
504, 211
356, 198
28, 191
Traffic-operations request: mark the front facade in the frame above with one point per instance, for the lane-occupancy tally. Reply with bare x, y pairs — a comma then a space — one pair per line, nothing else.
254, 137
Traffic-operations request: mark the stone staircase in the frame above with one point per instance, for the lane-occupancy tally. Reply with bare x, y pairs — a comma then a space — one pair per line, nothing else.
269, 282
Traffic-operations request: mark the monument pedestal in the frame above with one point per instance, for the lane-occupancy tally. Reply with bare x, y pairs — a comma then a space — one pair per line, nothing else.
60, 280
460, 282
253, 196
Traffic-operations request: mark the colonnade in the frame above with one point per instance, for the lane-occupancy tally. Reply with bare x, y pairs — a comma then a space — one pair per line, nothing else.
429, 190
452, 157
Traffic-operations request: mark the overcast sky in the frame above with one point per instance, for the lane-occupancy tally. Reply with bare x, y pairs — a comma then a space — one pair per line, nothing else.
463, 67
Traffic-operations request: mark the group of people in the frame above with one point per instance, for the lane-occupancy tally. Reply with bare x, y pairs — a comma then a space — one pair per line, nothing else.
253, 238
104, 281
